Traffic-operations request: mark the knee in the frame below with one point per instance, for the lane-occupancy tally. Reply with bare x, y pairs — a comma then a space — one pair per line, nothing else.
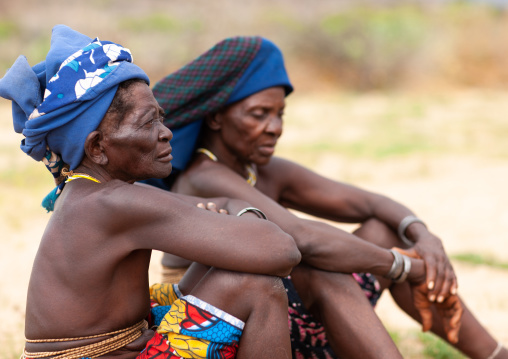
266, 287
377, 232
255, 286
316, 286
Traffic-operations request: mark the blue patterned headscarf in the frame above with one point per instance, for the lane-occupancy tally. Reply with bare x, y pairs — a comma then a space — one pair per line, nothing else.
58, 102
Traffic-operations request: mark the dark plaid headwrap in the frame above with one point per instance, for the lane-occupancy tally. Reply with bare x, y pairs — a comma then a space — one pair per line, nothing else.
230, 71
204, 85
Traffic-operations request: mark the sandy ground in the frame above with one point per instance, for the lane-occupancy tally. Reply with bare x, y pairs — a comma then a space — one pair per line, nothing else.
463, 199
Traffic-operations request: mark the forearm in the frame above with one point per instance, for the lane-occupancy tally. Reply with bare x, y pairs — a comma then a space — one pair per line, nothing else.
332, 249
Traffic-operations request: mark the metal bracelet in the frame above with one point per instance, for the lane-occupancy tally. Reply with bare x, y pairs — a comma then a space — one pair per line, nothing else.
406, 222
397, 266
496, 351
258, 212
405, 272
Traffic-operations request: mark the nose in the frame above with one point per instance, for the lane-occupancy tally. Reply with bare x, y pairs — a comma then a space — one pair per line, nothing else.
165, 134
274, 126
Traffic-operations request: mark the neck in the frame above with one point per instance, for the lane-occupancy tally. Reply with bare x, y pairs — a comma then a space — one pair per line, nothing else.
244, 169
93, 170
224, 156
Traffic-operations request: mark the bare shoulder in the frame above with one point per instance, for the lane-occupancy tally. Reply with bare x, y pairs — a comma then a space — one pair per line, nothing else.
278, 170
207, 179
117, 205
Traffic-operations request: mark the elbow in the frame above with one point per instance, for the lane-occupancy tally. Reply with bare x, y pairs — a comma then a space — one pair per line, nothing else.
290, 256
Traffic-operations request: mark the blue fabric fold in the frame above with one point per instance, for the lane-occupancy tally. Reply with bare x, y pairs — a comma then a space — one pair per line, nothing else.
58, 102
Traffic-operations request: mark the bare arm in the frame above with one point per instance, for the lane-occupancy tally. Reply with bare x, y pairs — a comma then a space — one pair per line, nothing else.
338, 201
154, 219
321, 245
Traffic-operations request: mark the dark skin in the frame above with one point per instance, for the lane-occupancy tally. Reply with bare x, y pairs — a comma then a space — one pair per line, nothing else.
246, 133
90, 275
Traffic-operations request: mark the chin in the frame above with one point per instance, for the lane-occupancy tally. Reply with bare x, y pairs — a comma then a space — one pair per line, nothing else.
262, 161
163, 173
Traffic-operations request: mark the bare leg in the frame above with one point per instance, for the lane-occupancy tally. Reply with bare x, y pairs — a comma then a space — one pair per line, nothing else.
260, 301
192, 277
474, 340
352, 327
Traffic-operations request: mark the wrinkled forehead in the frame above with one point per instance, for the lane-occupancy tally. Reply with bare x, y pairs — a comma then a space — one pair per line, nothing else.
130, 95
271, 98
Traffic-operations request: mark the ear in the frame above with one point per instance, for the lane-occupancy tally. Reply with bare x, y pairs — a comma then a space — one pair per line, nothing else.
214, 121
94, 148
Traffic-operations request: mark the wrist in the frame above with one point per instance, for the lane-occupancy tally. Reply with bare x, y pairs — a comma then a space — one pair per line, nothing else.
401, 267
409, 228
417, 273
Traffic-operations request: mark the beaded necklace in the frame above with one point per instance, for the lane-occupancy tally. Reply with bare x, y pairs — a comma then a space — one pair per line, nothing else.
71, 176
252, 175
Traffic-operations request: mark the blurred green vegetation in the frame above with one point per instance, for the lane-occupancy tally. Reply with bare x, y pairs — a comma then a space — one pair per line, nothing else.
381, 126
436, 348
353, 45
416, 344
479, 259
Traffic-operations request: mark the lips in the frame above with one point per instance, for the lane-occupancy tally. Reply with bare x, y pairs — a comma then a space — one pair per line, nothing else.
267, 149
165, 156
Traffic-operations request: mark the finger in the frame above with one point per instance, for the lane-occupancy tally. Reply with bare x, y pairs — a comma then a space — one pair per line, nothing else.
456, 319
441, 278
455, 323
451, 312
211, 206
445, 291
453, 335
426, 315
411, 252
430, 269
405, 252
454, 287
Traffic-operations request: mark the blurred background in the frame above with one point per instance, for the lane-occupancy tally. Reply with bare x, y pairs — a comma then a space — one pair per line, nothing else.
406, 98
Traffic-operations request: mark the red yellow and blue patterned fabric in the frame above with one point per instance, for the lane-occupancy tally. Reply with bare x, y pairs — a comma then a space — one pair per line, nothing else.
190, 327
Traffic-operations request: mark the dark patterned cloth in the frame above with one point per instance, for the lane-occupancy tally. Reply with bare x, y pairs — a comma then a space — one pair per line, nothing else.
204, 85
308, 336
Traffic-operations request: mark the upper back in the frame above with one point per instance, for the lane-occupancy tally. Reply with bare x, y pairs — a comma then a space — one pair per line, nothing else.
83, 263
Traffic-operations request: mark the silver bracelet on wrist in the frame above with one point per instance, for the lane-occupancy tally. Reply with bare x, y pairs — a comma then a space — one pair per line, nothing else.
401, 267
405, 272
397, 265
496, 351
254, 210
406, 222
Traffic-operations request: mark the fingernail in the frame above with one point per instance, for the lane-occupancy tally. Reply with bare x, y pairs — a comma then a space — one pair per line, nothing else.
432, 297
430, 286
440, 299
453, 290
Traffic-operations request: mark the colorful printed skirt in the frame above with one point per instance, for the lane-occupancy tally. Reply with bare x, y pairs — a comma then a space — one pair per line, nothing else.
190, 328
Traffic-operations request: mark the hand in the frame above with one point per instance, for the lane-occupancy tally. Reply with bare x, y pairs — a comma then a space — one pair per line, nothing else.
449, 310
211, 206
441, 280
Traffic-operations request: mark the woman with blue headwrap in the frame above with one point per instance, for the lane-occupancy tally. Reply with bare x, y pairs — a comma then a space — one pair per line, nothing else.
89, 108
226, 120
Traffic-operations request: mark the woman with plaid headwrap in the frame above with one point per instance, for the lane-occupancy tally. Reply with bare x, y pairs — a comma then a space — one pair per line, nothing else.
225, 109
